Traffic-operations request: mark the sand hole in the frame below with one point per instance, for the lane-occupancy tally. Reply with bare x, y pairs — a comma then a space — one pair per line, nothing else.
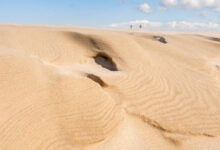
217, 67
215, 39
92, 42
160, 39
105, 61
96, 79
173, 141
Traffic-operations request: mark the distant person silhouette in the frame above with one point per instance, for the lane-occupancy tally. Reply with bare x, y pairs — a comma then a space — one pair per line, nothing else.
140, 26
131, 26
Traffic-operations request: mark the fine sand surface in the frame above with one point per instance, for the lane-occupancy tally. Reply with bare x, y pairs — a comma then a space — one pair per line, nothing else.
72, 88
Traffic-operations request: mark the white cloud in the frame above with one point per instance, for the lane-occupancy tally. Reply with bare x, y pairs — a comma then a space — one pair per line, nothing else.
144, 23
171, 26
196, 26
162, 8
203, 14
217, 9
145, 8
168, 3
192, 4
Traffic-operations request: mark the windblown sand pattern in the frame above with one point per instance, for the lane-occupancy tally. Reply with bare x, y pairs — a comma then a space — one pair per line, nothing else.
68, 88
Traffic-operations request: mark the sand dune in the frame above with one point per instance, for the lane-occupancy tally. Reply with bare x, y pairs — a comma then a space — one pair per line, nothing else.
72, 88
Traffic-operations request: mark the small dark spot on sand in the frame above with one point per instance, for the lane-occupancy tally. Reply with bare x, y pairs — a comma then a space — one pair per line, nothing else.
173, 141
218, 67
96, 79
160, 39
105, 61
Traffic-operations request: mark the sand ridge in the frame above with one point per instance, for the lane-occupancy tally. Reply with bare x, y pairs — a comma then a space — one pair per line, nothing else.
89, 89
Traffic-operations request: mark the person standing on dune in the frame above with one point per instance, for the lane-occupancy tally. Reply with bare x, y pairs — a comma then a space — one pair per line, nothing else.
140, 26
131, 26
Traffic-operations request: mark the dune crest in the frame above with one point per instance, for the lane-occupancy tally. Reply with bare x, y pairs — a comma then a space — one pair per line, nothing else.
69, 88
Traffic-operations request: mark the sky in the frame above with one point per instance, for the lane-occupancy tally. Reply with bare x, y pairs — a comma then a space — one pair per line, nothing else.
177, 15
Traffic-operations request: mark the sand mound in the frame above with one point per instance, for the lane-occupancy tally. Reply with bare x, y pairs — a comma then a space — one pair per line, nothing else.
66, 88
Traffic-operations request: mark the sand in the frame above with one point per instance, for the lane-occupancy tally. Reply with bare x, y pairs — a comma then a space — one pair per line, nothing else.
73, 88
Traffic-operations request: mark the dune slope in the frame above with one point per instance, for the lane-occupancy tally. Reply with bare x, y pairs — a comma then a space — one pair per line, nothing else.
71, 88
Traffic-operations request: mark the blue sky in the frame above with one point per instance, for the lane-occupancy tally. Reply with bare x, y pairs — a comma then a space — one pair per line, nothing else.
153, 14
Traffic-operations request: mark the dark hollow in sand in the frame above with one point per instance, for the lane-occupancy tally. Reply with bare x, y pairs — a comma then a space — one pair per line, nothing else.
217, 67
215, 39
105, 61
96, 79
160, 39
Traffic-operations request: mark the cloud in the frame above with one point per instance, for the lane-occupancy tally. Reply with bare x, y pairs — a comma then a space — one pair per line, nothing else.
192, 4
121, 1
199, 3
171, 26
203, 14
162, 8
144, 23
194, 26
145, 8
169, 3
217, 9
